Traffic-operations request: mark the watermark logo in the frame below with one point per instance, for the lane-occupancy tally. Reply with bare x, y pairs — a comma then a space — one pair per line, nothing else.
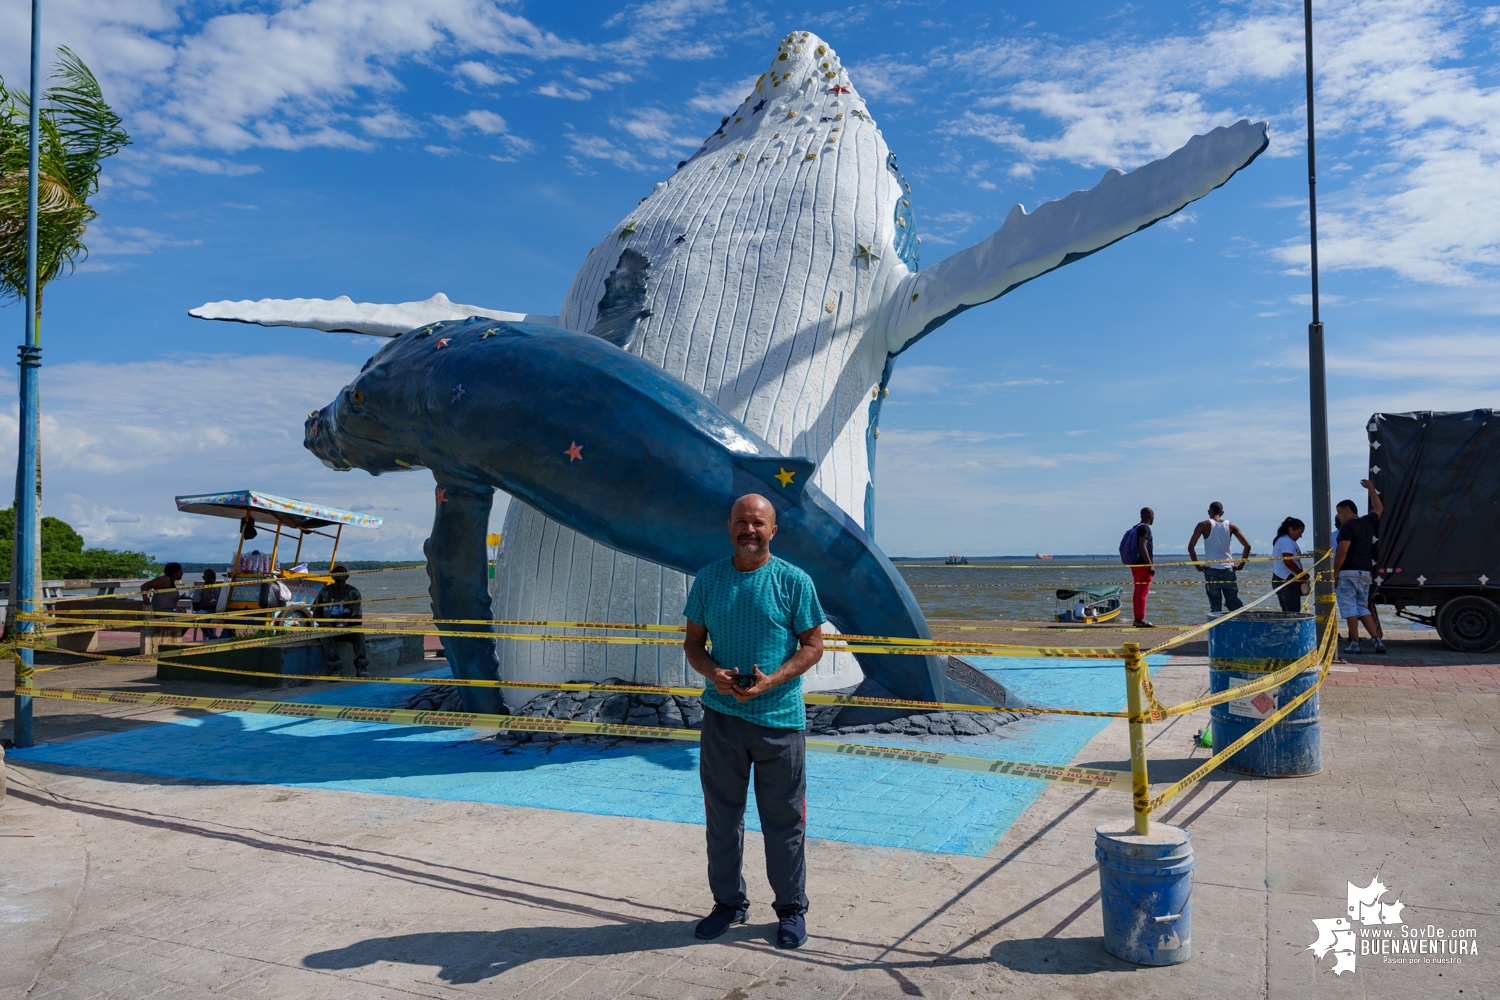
1374, 927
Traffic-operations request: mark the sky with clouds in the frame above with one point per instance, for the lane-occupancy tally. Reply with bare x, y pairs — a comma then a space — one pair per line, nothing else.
388, 150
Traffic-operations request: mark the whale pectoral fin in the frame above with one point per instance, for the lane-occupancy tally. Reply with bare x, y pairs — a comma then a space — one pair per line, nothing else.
623, 306
1060, 232
786, 476
343, 315
458, 571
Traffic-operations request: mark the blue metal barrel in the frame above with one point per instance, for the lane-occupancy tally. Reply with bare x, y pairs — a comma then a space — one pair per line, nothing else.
1243, 649
1146, 889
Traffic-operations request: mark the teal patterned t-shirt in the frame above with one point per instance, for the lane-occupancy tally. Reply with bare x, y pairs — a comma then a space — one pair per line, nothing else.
754, 619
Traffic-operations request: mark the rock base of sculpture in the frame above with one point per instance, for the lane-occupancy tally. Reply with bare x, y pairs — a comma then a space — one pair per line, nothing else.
679, 712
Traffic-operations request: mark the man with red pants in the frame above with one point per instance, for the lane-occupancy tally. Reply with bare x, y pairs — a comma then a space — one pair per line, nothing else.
1141, 570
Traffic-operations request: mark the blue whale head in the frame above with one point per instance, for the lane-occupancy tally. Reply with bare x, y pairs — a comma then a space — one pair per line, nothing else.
375, 423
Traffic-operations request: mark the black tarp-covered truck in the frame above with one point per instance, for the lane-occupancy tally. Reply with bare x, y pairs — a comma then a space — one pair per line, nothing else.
1439, 540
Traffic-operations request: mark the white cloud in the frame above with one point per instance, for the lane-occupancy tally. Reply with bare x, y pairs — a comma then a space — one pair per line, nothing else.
141, 433
487, 123
918, 379
723, 100
888, 79
1452, 361
1413, 138
389, 124
105, 242
275, 77
657, 131
482, 74
205, 165
567, 93
664, 29
595, 147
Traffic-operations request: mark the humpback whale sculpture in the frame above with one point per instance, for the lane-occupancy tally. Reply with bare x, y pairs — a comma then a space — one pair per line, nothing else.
776, 272
487, 405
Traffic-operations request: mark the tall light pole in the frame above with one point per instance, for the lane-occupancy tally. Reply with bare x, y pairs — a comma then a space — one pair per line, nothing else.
1322, 498
23, 587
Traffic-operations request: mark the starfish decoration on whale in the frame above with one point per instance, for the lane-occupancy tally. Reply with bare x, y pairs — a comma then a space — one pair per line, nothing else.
784, 477
681, 239
442, 343
838, 89
866, 253
757, 109
458, 390
574, 451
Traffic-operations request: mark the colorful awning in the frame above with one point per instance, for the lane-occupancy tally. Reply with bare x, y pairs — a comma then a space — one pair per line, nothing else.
267, 508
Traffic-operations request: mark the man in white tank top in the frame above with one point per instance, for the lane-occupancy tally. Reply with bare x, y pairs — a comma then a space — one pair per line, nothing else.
1218, 568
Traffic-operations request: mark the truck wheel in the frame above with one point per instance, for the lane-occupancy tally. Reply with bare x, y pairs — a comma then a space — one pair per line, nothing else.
1469, 624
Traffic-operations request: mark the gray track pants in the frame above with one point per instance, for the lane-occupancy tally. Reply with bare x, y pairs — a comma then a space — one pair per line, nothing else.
730, 747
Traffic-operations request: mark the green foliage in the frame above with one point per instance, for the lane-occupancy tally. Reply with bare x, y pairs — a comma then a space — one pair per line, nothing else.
79, 131
65, 558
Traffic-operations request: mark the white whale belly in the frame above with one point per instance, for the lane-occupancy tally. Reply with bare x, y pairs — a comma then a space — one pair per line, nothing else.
765, 307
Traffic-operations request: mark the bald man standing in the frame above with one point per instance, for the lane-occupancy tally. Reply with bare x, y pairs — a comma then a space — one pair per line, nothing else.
761, 613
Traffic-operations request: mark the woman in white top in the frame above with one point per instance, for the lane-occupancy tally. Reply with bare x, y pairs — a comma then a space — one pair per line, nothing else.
1286, 565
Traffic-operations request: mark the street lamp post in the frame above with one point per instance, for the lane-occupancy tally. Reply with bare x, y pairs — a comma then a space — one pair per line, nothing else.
23, 587
1322, 499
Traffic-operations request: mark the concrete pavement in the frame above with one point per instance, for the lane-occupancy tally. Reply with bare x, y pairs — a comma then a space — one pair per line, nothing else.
121, 885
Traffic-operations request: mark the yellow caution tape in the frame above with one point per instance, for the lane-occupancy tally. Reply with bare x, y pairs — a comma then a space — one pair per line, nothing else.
1193, 633
685, 692
1172, 791
833, 642
242, 582
1049, 564
1062, 773
1271, 680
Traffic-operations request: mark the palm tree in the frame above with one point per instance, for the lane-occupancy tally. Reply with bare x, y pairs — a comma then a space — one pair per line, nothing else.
79, 131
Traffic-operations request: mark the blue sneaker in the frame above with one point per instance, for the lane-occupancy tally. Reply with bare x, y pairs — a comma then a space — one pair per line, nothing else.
791, 932
720, 920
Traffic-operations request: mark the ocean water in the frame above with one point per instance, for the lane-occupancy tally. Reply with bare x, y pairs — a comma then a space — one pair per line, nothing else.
1025, 589
1010, 589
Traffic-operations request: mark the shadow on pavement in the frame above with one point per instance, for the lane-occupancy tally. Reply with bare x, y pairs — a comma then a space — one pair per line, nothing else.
1058, 956
474, 956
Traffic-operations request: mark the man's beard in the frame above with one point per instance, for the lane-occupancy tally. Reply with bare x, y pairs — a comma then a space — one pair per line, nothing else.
750, 547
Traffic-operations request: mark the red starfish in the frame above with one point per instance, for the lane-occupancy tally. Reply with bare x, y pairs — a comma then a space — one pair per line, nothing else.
838, 89
442, 343
442, 494
574, 451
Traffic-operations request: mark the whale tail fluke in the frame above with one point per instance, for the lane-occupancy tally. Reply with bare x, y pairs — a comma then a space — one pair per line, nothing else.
786, 476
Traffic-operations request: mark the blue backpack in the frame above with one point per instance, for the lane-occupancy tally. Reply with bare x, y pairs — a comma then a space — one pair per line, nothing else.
1130, 549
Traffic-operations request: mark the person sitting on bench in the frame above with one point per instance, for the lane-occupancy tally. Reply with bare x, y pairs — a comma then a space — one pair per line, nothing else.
338, 613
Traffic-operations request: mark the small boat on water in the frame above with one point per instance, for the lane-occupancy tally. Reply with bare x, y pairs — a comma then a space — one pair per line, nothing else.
1089, 606
956, 561
1040, 556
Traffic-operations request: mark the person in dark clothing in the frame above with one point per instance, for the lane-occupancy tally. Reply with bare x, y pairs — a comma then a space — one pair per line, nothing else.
1143, 572
339, 614
160, 597
206, 602
1354, 563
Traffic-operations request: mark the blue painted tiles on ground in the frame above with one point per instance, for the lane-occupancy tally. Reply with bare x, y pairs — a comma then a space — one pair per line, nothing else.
880, 803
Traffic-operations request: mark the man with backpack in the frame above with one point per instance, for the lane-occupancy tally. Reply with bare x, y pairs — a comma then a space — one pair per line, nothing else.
1136, 551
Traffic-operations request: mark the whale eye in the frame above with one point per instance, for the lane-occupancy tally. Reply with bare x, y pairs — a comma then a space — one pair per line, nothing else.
357, 395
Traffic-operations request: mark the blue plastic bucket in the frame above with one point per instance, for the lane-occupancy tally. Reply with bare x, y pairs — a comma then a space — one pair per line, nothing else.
1146, 889
1244, 649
